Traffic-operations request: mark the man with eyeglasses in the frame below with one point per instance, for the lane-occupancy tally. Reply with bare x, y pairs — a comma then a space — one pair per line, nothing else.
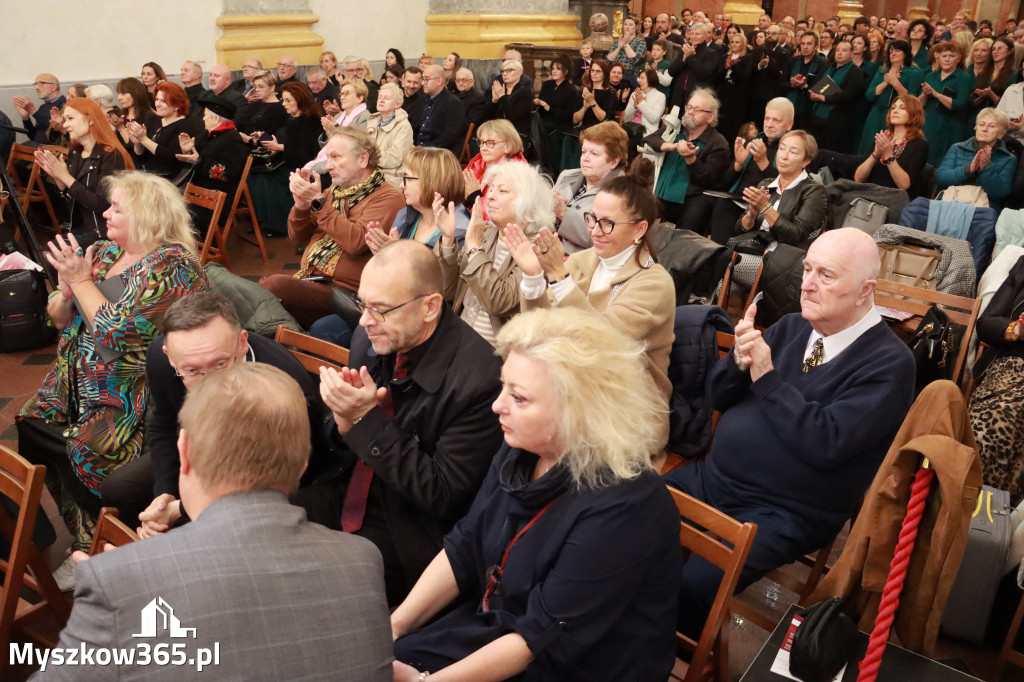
473, 103
413, 414
697, 66
285, 72
201, 334
353, 68
37, 119
249, 69
439, 120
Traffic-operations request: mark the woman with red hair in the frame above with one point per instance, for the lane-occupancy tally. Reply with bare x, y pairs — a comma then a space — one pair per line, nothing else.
900, 151
157, 144
95, 153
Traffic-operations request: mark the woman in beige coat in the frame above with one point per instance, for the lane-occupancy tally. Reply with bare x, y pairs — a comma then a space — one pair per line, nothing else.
390, 130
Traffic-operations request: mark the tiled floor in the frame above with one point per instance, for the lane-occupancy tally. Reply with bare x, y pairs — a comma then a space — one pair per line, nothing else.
22, 373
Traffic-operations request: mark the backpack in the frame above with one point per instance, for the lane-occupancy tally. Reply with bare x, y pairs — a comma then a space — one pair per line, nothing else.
24, 324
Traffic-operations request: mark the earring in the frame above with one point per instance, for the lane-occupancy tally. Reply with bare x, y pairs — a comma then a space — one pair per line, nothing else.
636, 242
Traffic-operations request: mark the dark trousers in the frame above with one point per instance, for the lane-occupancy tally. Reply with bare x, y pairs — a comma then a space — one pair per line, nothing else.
724, 214
129, 488
781, 538
696, 214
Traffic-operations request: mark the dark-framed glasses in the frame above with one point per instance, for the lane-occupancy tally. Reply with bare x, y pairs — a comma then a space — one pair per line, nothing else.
487, 144
378, 313
606, 225
407, 178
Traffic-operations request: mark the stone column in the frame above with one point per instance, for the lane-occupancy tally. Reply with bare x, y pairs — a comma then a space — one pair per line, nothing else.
850, 10
480, 29
267, 29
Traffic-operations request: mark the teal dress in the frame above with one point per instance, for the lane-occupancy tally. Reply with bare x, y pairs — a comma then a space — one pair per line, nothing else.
910, 77
945, 127
920, 57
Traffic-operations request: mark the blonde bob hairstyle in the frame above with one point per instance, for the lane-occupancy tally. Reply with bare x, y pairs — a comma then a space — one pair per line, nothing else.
359, 88
265, 75
534, 204
610, 423
503, 129
155, 207
439, 171
261, 412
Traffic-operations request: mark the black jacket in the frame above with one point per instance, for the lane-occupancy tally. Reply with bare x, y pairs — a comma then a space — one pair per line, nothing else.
703, 69
564, 101
749, 173
86, 201
839, 110
709, 169
474, 105
767, 83
439, 121
430, 459
222, 157
515, 107
802, 212
1006, 305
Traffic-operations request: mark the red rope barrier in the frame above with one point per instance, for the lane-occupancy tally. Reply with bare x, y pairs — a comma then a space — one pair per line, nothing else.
897, 574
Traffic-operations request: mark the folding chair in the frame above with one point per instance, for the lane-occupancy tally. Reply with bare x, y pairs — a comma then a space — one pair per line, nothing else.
708, 533
110, 530
24, 568
312, 352
214, 248
465, 156
35, 190
243, 193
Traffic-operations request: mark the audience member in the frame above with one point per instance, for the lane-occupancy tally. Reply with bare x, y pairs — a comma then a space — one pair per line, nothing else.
834, 111
244, 443
424, 380
192, 82
898, 77
498, 141
324, 89
473, 103
103, 96
602, 159
606, 537
86, 419
432, 178
333, 222
770, 61
353, 112
151, 75
663, 30
451, 64
982, 160
644, 110
841, 381
920, 36
393, 58
37, 119
900, 152
806, 67
355, 69
412, 86
439, 120
1012, 104
157, 144
134, 102
264, 114
581, 66
734, 89
286, 69
620, 261
696, 160
512, 100
329, 65
95, 154
249, 70
697, 66
220, 84
481, 279
390, 130
629, 49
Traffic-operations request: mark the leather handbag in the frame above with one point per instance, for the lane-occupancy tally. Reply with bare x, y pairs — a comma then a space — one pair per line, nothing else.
932, 348
910, 263
865, 215
24, 324
824, 642
973, 195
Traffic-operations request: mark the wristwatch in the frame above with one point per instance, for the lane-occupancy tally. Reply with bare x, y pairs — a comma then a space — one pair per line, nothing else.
316, 204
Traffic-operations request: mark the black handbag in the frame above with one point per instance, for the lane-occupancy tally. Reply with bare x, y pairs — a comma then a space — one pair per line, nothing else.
932, 349
824, 642
24, 324
752, 243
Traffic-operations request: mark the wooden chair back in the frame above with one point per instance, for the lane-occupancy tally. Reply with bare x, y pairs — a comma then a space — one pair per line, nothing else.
110, 530
961, 311
35, 190
725, 542
213, 244
465, 156
312, 352
24, 568
237, 206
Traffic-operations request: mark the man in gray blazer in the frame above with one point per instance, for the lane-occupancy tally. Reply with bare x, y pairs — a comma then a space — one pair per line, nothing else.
250, 589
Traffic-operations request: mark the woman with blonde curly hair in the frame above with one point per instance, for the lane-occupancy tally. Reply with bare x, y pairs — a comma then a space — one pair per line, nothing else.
86, 419
571, 524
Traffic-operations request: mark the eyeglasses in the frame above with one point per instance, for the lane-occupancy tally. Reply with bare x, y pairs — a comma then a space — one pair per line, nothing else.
406, 179
280, 64
433, 78
378, 314
250, 66
606, 225
44, 83
463, 80
690, 109
487, 144
504, 71
193, 373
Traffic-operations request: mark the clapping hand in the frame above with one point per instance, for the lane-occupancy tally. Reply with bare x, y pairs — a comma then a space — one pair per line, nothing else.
927, 89
588, 98
883, 144
475, 229
72, 263
497, 90
686, 149
304, 186
751, 352
981, 159
522, 251
136, 131
349, 394
756, 198
57, 119
376, 238
24, 105
472, 184
560, 203
54, 166
186, 142
759, 150
740, 150
331, 107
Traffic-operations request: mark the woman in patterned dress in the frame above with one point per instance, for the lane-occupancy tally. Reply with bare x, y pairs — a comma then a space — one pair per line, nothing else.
110, 302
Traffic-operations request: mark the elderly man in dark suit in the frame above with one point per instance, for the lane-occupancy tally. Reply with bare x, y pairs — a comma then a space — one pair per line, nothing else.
242, 579
414, 414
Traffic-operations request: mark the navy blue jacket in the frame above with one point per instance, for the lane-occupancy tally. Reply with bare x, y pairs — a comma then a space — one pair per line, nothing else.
439, 121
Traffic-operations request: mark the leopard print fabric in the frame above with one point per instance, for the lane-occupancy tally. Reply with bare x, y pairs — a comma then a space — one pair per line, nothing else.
997, 415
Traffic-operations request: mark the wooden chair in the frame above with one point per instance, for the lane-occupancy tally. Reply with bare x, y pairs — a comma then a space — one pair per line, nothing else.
243, 193
35, 191
110, 529
213, 248
24, 570
708, 533
961, 311
313, 353
465, 156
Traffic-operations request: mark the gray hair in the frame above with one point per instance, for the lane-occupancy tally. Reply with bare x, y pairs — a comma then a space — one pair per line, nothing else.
315, 71
782, 104
351, 58
998, 115
534, 204
713, 104
394, 90
513, 64
101, 94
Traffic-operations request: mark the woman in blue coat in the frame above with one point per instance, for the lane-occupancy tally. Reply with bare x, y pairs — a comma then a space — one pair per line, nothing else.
899, 76
567, 565
982, 160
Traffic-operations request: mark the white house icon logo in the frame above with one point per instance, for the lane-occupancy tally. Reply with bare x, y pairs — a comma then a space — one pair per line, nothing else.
157, 616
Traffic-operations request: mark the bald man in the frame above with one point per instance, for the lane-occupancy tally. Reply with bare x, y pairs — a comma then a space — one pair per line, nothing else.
220, 84
37, 119
809, 409
439, 120
413, 419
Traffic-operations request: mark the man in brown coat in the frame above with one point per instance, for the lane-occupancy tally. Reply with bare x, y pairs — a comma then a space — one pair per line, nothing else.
333, 222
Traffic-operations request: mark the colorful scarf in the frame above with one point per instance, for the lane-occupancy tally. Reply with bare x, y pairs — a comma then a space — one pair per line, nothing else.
324, 254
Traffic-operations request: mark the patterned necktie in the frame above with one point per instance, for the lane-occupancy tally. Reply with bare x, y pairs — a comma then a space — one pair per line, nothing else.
358, 492
816, 357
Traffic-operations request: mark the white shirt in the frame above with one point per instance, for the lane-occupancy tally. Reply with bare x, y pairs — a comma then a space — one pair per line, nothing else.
774, 184
533, 287
836, 343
